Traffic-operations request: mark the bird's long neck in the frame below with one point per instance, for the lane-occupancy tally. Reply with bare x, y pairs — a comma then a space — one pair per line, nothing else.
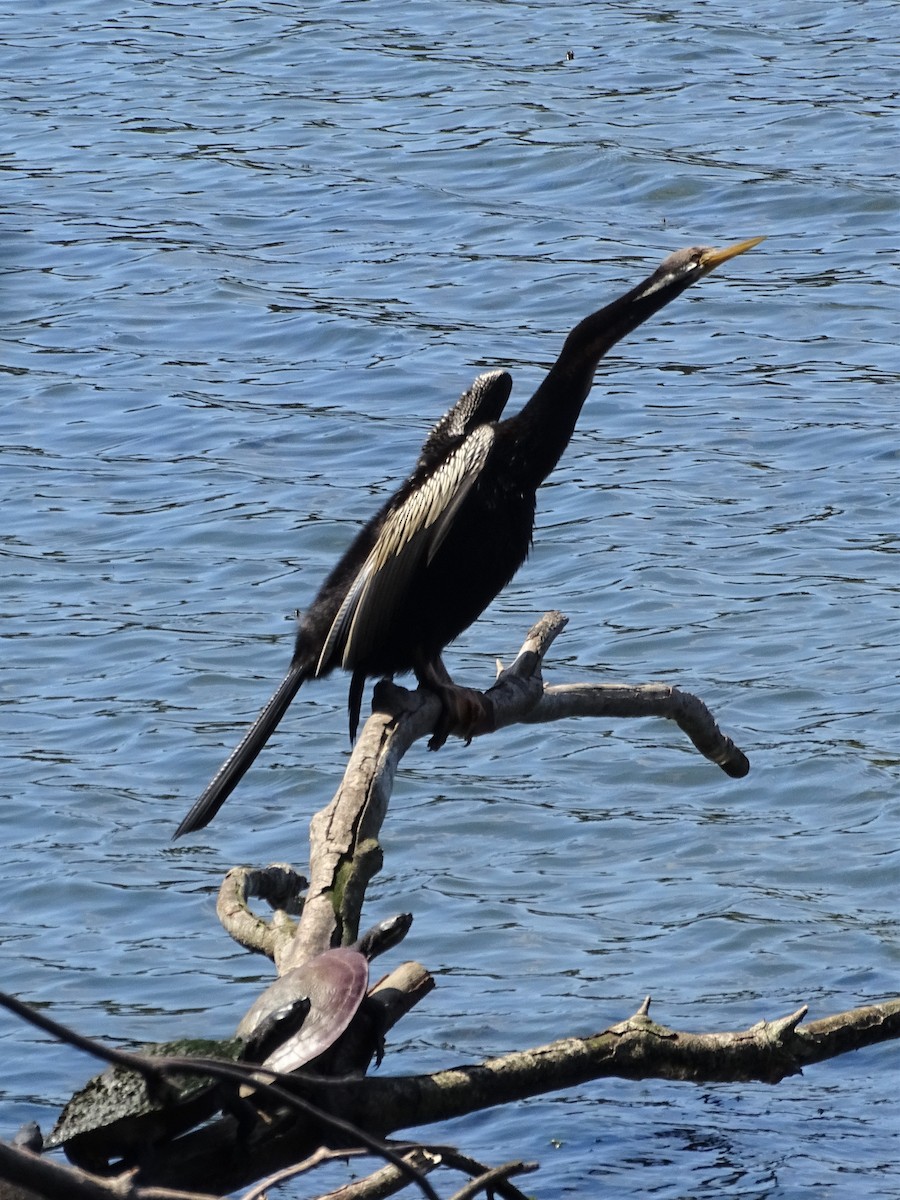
540, 432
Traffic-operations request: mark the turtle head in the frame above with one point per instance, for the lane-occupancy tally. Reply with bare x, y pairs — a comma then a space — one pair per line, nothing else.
384, 935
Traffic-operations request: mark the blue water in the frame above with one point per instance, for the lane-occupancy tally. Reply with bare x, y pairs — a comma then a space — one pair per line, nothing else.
250, 252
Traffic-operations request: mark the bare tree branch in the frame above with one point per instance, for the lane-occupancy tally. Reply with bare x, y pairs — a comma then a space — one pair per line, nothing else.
345, 854
27, 1176
388, 1180
637, 1048
280, 887
643, 700
451, 1157
345, 850
491, 1179
260, 1190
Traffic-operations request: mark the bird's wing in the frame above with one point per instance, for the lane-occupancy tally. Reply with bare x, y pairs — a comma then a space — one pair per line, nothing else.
483, 402
409, 539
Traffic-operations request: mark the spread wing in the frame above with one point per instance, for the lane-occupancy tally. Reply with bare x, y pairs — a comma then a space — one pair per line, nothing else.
409, 539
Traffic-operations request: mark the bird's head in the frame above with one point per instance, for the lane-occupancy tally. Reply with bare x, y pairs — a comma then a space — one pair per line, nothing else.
688, 265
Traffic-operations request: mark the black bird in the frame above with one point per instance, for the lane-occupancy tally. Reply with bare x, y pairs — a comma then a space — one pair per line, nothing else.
482, 404
454, 534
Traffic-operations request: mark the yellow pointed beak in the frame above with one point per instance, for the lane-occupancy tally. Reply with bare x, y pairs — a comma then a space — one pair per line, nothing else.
713, 258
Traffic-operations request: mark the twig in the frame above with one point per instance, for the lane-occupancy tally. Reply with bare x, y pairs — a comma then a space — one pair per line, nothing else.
462, 1162
490, 1180
309, 1163
386, 1181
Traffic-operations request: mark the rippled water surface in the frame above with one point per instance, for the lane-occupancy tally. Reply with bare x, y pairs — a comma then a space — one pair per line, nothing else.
250, 252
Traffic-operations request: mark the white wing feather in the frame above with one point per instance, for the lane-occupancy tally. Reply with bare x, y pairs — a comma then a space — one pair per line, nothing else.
409, 538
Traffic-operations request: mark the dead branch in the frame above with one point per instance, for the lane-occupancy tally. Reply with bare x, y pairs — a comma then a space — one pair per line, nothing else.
386, 1181
636, 1048
346, 853
490, 1179
520, 697
27, 1176
451, 1157
280, 887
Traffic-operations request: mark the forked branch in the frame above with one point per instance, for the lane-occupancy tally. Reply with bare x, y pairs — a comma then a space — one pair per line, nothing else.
346, 853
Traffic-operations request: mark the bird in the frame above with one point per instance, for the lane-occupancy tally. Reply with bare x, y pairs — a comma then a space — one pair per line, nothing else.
481, 404
448, 541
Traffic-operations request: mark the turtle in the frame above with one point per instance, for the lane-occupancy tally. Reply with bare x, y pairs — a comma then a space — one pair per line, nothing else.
116, 1116
335, 984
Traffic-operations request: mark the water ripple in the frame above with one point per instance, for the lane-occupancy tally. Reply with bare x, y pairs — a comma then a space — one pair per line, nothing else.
250, 252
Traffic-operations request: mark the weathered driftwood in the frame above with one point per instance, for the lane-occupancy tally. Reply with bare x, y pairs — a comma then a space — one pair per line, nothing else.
346, 853
637, 1048
280, 887
214, 1160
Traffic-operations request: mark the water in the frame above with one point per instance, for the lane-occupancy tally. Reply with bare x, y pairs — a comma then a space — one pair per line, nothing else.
251, 251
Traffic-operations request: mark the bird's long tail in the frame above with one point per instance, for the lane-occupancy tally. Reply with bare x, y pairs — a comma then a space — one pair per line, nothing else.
238, 762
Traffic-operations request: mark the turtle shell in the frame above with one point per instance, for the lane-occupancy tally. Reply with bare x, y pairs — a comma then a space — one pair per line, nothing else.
115, 1117
334, 983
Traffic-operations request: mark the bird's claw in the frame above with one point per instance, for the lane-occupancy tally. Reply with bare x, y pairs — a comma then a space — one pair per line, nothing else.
464, 711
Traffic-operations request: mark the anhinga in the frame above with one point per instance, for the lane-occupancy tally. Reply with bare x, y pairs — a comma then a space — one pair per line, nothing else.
454, 534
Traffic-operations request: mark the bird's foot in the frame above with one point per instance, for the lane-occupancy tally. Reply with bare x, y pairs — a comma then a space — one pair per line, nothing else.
464, 711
